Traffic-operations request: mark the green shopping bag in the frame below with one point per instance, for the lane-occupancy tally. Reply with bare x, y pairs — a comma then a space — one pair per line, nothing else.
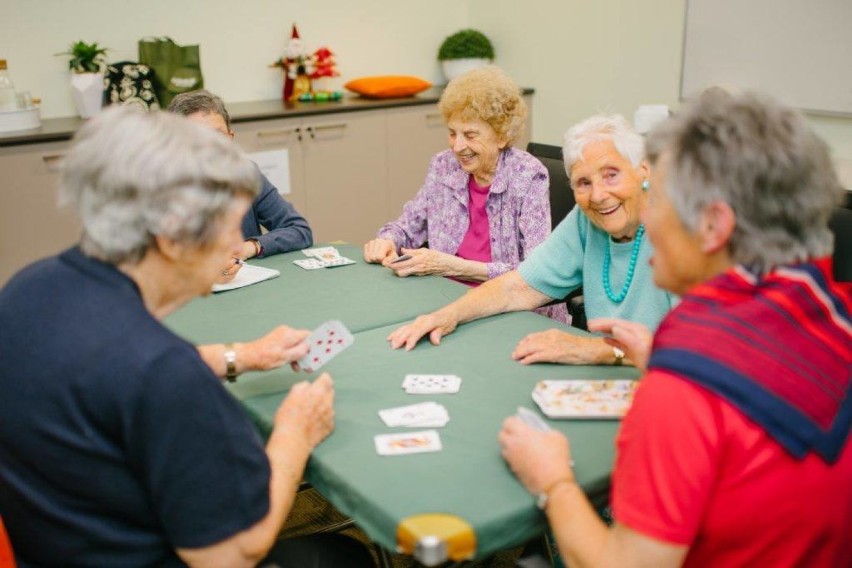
177, 68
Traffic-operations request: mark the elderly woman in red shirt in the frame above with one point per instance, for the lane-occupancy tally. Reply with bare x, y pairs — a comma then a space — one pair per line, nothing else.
736, 451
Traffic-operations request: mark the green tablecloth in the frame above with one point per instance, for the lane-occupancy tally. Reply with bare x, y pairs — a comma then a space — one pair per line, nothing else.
363, 296
468, 477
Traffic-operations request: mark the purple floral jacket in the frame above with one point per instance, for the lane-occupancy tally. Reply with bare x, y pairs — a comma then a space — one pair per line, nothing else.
518, 209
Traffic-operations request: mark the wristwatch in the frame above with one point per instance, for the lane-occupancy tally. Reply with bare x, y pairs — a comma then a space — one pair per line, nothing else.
542, 498
619, 355
230, 363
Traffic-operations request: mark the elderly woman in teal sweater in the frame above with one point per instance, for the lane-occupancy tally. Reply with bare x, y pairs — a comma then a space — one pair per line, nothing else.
600, 246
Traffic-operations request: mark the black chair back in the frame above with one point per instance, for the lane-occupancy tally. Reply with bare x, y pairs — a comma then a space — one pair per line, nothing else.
561, 196
841, 225
561, 203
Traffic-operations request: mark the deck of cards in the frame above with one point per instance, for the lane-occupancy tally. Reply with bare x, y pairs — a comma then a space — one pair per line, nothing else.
326, 342
423, 415
322, 257
431, 384
407, 443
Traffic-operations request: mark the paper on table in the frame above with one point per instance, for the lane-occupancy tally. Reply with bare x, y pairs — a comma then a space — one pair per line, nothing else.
248, 275
275, 165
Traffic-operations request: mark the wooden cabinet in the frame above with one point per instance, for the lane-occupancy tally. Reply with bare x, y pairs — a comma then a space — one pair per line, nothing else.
352, 168
415, 134
32, 225
338, 169
278, 134
345, 162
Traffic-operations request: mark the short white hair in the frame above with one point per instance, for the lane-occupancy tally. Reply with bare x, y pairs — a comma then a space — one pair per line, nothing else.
133, 175
598, 128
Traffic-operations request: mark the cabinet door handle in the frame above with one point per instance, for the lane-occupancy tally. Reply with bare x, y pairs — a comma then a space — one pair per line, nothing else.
280, 133
312, 130
53, 162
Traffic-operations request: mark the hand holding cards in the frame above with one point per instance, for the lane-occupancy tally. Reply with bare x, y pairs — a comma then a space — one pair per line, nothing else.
325, 343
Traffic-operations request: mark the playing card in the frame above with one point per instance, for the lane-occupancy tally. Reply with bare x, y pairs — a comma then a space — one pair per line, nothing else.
339, 261
532, 419
326, 342
425, 414
322, 253
431, 384
407, 443
309, 263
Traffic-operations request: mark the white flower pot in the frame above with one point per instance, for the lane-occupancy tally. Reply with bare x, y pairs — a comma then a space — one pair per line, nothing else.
456, 67
88, 92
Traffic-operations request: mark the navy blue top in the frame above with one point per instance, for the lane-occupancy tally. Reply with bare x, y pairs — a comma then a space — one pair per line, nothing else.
287, 229
117, 443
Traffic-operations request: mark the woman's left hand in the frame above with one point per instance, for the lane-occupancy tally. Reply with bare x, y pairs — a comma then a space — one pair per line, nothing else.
423, 262
538, 459
555, 346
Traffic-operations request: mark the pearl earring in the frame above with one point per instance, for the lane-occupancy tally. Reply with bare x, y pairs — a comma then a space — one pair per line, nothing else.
645, 185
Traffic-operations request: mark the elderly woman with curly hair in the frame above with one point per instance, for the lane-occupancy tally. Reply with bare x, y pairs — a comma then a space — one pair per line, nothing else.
736, 451
485, 205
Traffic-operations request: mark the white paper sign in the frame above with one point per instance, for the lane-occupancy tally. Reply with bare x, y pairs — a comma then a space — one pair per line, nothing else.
275, 165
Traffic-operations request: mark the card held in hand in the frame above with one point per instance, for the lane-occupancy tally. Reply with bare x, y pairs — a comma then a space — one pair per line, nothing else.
326, 342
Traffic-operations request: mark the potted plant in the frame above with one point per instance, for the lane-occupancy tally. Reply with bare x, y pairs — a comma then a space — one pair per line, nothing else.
464, 50
87, 76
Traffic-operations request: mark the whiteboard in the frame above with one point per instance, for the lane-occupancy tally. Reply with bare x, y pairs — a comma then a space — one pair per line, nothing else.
799, 51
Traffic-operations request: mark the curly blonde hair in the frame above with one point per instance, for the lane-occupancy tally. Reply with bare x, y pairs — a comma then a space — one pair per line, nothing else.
489, 95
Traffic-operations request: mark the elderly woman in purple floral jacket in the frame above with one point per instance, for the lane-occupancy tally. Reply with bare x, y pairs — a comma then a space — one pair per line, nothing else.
484, 205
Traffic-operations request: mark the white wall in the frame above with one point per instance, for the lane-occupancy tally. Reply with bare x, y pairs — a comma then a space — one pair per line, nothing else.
581, 56
589, 56
238, 39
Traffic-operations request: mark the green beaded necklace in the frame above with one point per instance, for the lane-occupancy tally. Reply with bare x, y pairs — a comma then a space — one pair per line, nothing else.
631, 268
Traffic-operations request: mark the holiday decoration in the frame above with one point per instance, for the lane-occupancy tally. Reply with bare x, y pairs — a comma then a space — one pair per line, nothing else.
297, 68
300, 69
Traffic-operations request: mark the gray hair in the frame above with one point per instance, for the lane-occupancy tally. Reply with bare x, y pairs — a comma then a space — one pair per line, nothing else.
132, 175
763, 160
598, 128
201, 100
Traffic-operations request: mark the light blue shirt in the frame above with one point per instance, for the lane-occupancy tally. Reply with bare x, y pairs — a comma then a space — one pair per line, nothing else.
573, 256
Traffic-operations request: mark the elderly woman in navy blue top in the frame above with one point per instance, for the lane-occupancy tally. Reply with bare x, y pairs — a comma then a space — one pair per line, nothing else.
119, 445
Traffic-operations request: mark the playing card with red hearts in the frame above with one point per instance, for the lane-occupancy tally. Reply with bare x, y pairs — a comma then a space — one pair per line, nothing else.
326, 342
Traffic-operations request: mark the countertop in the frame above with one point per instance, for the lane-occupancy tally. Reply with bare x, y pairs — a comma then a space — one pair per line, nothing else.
59, 129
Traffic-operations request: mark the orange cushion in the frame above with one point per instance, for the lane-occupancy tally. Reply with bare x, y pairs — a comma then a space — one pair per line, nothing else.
387, 86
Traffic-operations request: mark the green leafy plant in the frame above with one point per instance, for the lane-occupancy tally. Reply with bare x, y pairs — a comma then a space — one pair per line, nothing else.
465, 44
86, 57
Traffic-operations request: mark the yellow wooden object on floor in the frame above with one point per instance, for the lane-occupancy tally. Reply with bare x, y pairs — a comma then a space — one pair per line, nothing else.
435, 537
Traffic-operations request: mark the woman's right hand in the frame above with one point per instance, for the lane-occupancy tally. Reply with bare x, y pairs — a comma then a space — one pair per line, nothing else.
436, 325
633, 338
377, 250
307, 413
